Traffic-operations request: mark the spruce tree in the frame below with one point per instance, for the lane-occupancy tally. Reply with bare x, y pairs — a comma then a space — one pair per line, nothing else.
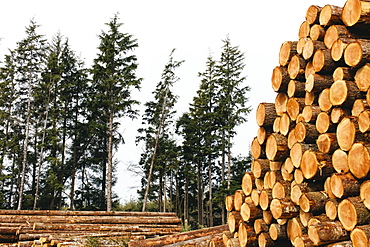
113, 79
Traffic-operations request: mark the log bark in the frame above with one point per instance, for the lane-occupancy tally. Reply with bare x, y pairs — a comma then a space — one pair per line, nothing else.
316, 83
360, 236
317, 32
356, 11
324, 100
330, 15
327, 143
327, 232
287, 50
359, 159
344, 93
352, 212
335, 32
362, 78
283, 208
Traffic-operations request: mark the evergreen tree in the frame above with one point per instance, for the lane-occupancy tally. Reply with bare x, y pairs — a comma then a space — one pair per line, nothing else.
158, 118
113, 78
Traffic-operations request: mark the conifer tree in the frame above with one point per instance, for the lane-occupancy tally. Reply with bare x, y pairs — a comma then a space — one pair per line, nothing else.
113, 79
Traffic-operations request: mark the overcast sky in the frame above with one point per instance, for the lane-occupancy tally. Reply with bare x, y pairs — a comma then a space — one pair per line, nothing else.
195, 28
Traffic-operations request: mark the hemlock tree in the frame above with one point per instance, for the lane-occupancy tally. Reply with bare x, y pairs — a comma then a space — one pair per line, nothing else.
113, 78
158, 118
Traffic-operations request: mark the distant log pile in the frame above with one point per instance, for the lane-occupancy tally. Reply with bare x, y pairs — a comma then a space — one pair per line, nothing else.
76, 228
310, 181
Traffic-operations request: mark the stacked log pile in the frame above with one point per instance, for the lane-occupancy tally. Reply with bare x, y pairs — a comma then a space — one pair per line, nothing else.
310, 181
76, 228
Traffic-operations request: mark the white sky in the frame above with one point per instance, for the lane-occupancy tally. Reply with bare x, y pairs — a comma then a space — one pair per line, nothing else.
194, 27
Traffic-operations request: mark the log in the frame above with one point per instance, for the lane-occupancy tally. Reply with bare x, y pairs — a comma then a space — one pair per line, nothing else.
265, 198
280, 79
265, 114
296, 88
301, 42
324, 100
304, 217
356, 53
299, 189
229, 203
275, 165
267, 216
277, 231
285, 173
250, 212
280, 103
359, 159
313, 14
355, 11
310, 98
318, 219
226, 235
297, 151
304, 30
327, 232
239, 198
283, 208
317, 32
277, 147
295, 229
340, 161
344, 185
291, 138
323, 62
294, 107
276, 125
365, 193
306, 132
335, 32
331, 208
309, 69
281, 189
360, 236
316, 83
233, 221
338, 48
364, 121
359, 106
255, 196
84, 213
246, 235
286, 123
330, 15
310, 113
341, 244
313, 202
310, 47
344, 93
260, 167
303, 241
260, 226
352, 212
287, 50
233, 242
324, 124
288, 165
316, 165
338, 113
327, 143
296, 67
298, 176
262, 134
264, 240
248, 183
344, 73
362, 78
348, 133
327, 188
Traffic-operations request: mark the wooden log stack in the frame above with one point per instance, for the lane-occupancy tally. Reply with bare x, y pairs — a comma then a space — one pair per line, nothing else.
76, 228
310, 183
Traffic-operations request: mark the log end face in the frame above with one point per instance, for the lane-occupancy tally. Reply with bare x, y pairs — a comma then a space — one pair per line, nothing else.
347, 214
351, 12
359, 160
359, 237
353, 54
